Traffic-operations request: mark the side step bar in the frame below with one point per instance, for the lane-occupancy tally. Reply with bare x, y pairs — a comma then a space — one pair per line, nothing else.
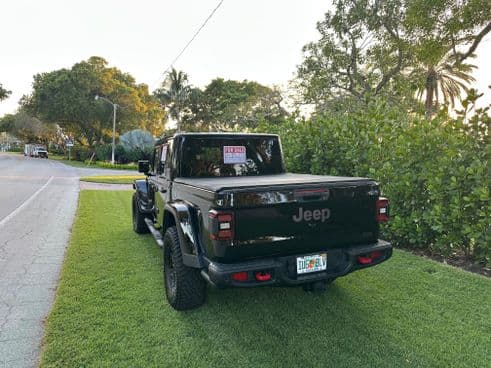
156, 234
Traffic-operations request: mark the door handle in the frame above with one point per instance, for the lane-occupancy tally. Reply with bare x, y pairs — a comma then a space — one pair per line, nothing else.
163, 190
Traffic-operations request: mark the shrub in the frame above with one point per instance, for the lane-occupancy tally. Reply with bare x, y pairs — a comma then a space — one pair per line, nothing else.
80, 153
137, 139
109, 165
57, 150
138, 145
122, 155
103, 152
434, 172
16, 149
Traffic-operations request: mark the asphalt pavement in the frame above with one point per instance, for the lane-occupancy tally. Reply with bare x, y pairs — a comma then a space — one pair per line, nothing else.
38, 201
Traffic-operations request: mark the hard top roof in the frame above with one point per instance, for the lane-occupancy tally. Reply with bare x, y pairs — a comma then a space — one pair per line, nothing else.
164, 139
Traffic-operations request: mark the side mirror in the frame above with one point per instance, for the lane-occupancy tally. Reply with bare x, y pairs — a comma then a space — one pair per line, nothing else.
143, 166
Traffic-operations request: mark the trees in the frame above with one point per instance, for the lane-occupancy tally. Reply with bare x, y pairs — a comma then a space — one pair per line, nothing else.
7, 123
444, 81
443, 36
4, 93
174, 94
360, 52
66, 97
221, 105
393, 48
28, 128
229, 104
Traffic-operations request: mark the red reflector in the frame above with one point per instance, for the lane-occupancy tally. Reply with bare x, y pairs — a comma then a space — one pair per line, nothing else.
263, 276
382, 210
240, 276
364, 260
225, 218
225, 234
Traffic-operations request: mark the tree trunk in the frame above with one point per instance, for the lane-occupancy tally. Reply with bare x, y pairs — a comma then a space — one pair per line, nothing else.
430, 92
178, 120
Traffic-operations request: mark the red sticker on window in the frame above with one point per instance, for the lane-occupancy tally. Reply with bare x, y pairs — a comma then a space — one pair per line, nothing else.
234, 154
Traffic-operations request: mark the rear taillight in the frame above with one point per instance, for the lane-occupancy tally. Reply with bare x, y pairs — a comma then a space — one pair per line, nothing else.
222, 225
382, 210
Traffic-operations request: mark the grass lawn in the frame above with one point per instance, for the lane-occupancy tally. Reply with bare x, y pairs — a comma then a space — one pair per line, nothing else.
74, 163
113, 179
12, 152
95, 164
110, 311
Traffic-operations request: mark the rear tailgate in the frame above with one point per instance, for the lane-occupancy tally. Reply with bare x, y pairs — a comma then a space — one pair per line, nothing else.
304, 218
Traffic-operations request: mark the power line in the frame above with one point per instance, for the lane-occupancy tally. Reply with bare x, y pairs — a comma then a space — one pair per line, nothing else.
194, 36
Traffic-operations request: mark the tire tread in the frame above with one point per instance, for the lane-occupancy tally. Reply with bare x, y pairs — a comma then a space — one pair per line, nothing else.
190, 286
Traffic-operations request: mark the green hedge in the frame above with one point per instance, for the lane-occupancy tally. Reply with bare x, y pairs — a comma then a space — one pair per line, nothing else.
121, 154
436, 173
124, 157
79, 153
108, 165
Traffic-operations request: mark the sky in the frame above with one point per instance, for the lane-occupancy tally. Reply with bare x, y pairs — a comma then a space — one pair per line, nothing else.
258, 40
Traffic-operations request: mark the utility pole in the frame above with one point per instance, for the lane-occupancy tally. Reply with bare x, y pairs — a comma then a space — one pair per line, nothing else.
114, 132
115, 106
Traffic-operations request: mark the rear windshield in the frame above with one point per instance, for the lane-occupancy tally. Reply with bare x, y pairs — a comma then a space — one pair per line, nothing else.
219, 157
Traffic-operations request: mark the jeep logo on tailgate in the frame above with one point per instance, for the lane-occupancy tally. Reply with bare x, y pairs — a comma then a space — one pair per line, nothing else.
316, 215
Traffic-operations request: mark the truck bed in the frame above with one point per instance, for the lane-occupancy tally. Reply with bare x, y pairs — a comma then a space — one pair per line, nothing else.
217, 184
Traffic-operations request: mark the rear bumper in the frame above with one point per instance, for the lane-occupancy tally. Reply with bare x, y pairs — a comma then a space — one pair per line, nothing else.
283, 270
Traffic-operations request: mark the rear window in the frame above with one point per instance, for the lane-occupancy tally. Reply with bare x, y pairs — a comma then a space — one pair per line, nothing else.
219, 157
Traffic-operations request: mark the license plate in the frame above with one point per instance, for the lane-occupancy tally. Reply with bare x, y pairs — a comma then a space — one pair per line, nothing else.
312, 263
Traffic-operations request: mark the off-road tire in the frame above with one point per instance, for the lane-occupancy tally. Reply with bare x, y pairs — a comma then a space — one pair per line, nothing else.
184, 286
139, 225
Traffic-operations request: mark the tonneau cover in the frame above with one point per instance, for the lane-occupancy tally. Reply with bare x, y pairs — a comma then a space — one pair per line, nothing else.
217, 184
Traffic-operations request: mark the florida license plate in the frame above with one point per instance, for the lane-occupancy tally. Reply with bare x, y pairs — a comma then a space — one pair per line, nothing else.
311, 263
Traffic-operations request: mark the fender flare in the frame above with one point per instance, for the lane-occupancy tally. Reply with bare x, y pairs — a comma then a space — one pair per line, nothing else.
185, 219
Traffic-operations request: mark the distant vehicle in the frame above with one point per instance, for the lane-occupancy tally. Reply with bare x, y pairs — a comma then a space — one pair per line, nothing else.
35, 150
27, 150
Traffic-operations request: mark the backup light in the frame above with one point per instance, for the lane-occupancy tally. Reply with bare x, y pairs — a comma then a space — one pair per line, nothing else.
225, 226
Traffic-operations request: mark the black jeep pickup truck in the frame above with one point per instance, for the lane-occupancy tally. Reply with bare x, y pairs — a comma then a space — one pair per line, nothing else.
226, 213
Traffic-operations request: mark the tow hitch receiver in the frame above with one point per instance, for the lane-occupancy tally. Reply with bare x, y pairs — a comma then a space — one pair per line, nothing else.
263, 276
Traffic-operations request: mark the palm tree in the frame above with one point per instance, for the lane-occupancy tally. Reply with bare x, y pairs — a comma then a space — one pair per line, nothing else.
444, 81
3, 93
174, 94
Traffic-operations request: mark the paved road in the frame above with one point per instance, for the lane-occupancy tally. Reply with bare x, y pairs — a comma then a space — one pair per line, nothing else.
38, 200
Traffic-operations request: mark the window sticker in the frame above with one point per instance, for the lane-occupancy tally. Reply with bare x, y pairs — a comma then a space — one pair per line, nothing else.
234, 154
